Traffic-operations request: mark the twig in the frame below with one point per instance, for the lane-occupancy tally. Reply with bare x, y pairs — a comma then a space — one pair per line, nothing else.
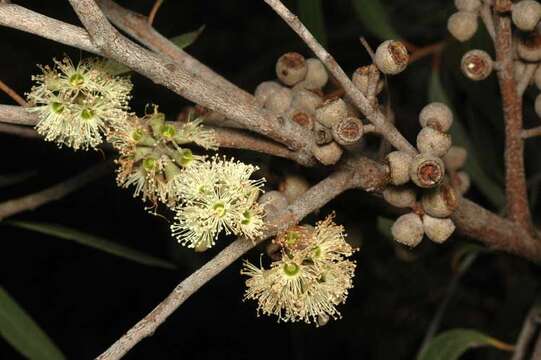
367, 47
313, 199
18, 115
12, 94
424, 51
21, 131
372, 113
527, 334
524, 80
533, 132
56, 192
515, 179
488, 20
154, 11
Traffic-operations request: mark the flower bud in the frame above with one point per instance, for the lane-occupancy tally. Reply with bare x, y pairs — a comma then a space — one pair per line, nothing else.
306, 100
538, 105
462, 25
322, 134
399, 163
360, 79
408, 230
433, 142
293, 186
316, 75
328, 154
468, 5
399, 196
438, 230
440, 202
462, 182
264, 90
279, 100
426, 170
331, 111
291, 68
347, 131
391, 57
526, 14
529, 47
476, 65
436, 115
455, 158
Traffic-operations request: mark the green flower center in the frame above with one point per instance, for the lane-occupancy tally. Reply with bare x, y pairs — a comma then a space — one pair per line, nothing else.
291, 269
186, 157
292, 237
57, 107
87, 114
219, 209
149, 164
168, 131
246, 217
137, 134
76, 80
317, 252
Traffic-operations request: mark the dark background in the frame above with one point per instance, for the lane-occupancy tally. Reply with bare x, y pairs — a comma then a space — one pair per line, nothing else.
85, 299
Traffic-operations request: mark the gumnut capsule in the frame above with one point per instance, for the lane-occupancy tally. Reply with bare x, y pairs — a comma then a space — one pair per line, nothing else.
436, 115
347, 131
331, 111
264, 90
433, 142
291, 68
526, 14
462, 25
360, 79
399, 164
399, 196
408, 229
438, 230
316, 75
328, 154
468, 5
476, 65
391, 57
440, 202
279, 101
426, 170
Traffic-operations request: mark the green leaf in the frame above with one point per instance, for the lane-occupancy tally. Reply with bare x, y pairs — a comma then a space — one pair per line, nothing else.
182, 41
450, 345
19, 330
384, 226
12, 179
374, 17
312, 16
484, 183
95, 242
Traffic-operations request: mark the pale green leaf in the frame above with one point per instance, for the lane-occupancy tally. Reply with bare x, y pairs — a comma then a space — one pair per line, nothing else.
95, 242
312, 16
19, 330
374, 17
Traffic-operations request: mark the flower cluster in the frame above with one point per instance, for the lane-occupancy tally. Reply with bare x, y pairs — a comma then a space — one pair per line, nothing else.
76, 104
217, 195
312, 277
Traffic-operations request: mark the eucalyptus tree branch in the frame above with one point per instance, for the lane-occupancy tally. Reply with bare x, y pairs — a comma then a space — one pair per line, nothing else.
313, 199
18, 115
515, 178
372, 113
18, 130
56, 192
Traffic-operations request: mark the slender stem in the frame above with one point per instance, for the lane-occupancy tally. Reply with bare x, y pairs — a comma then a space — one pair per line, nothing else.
488, 20
154, 11
428, 50
515, 179
12, 94
533, 132
371, 112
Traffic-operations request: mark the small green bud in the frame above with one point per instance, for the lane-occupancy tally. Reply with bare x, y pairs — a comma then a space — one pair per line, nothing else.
291, 269
76, 80
168, 131
219, 209
87, 114
57, 107
149, 164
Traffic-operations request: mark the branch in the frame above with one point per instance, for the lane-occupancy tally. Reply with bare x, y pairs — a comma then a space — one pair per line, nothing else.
313, 199
56, 192
12, 94
21, 131
372, 113
18, 115
515, 179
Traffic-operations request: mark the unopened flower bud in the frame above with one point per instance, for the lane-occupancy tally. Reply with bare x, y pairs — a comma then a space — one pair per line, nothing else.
291, 68
455, 158
526, 14
399, 164
433, 142
462, 25
408, 230
440, 202
426, 170
264, 90
468, 5
316, 75
347, 131
436, 115
529, 47
399, 196
293, 186
438, 230
391, 57
476, 65
322, 134
328, 154
360, 79
306, 100
331, 111
279, 101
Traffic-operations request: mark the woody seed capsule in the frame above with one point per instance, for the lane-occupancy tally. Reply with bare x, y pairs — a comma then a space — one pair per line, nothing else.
322, 134
438, 230
468, 5
328, 154
408, 230
433, 142
436, 115
360, 79
476, 65
526, 14
331, 111
399, 196
279, 101
426, 170
316, 75
291, 68
440, 202
347, 131
462, 25
306, 100
391, 57
399, 163
264, 90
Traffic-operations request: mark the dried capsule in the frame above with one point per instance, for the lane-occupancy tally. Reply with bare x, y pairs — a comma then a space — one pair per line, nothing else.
391, 57
347, 131
433, 142
291, 68
306, 100
440, 202
538, 105
360, 79
331, 111
529, 47
399, 163
455, 158
438, 230
302, 118
436, 115
468, 5
322, 134
316, 75
476, 64
526, 14
408, 229
462, 182
293, 186
399, 196
426, 170
279, 101
264, 90
328, 154
462, 25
